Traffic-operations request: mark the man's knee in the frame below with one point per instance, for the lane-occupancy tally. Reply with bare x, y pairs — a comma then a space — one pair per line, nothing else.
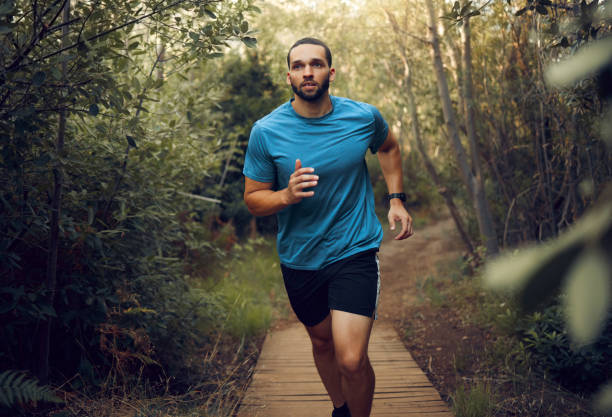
322, 345
352, 362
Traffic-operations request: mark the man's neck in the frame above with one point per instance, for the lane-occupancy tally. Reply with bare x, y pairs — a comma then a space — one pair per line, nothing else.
312, 109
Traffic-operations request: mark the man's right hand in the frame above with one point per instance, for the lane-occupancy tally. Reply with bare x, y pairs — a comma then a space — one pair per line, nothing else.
300, 179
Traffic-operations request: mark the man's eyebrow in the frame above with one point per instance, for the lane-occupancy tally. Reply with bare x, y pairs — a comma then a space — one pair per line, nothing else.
299, 61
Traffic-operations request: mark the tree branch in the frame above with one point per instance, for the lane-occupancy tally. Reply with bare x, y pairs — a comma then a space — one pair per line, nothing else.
37, 36
109, 31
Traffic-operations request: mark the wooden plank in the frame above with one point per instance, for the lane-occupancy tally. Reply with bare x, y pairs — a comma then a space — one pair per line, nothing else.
286, 383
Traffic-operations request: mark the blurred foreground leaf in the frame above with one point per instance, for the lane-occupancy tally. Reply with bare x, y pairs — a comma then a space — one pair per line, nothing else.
588, 296
536, 272
603, 399
587, 61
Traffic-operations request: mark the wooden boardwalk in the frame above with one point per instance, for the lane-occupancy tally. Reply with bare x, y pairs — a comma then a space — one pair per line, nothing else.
286, 383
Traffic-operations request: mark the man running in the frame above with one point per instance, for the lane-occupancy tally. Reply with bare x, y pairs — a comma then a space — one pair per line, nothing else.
305, 162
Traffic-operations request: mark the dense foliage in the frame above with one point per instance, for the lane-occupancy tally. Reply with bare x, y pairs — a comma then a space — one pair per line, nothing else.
114, 137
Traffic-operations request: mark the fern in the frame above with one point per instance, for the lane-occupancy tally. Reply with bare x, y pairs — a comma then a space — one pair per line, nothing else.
17, 387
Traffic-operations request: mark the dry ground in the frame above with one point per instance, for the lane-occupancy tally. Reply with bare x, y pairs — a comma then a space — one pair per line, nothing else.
433, 334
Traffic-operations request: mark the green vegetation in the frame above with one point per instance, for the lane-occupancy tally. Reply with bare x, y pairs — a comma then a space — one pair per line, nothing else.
116, 162
131, 275
527, 364
217, 333
17, 387
476, 401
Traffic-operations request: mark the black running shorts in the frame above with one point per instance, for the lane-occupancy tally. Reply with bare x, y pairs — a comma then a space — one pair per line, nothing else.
351, 284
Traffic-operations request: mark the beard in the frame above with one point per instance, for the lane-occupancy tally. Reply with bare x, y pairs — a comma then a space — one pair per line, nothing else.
314, 96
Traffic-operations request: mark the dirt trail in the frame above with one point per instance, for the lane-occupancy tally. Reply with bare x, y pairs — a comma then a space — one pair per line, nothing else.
404, 263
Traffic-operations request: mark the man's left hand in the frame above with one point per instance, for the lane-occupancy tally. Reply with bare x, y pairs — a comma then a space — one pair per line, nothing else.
397, 213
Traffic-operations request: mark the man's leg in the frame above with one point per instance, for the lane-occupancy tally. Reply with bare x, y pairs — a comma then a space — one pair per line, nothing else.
325, 359
351, 334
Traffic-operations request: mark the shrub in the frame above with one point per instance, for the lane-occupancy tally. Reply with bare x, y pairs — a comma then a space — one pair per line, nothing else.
582, 368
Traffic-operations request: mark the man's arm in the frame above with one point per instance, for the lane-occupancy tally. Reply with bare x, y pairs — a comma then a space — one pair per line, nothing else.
391, 165
261, 200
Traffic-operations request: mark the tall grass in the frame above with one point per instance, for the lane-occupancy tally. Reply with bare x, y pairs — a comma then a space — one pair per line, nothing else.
232, 307
249, 288
476, 401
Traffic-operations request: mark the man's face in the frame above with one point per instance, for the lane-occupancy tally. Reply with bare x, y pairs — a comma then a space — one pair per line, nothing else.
309, 74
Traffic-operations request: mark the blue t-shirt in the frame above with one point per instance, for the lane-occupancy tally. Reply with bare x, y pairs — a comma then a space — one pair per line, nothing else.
339, 220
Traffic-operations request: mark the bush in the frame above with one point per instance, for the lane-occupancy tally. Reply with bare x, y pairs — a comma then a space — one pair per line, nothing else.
581, 368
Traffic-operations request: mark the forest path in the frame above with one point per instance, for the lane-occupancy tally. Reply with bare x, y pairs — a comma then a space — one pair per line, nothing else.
285, 382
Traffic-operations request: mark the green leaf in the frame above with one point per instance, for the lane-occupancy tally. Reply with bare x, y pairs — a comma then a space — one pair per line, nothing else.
465, 8
195, 36
244, 26
588, 290
38, 78
536, 273
131, 141
514, 272
210, 14
249, 42
587, 61
94, 110
18, 387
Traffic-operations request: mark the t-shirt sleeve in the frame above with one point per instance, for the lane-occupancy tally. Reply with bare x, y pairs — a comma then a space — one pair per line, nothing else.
381, 129
258, 164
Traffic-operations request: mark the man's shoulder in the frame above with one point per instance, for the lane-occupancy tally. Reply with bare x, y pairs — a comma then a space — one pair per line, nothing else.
275, 116
347, 104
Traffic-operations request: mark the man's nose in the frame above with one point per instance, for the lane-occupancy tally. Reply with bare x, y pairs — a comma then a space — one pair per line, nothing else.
308, 71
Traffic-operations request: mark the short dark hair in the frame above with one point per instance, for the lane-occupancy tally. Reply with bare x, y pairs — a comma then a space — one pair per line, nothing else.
311, 41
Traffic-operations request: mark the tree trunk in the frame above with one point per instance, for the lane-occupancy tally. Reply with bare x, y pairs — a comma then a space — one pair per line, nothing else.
444, 191
55, 215
416, 131
485, 220
467, 176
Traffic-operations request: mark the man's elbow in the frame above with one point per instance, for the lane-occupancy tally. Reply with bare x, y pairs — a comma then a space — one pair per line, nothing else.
249, 204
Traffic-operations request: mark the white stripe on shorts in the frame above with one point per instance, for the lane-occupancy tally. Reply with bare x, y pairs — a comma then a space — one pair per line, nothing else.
377, 287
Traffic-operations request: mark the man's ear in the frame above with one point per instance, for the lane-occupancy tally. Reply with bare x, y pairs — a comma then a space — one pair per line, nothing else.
332, 74
289, 78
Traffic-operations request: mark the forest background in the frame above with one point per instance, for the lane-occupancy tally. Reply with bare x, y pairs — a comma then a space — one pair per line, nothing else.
130, 268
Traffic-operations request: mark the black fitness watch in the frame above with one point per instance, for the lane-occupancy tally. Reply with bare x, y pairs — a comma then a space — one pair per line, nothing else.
401, 196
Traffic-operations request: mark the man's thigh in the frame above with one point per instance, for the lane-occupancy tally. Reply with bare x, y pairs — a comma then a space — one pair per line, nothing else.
321, 333
351, 333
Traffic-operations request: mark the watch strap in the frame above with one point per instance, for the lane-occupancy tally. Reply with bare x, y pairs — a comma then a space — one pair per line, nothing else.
401, 196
